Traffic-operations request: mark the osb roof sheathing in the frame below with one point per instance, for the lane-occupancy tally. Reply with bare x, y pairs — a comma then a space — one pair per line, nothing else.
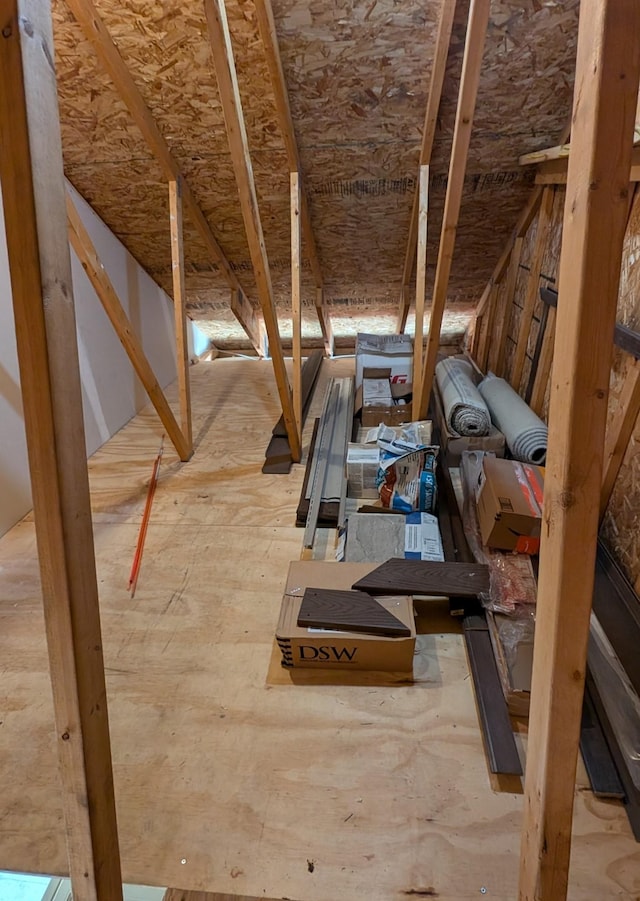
357, 73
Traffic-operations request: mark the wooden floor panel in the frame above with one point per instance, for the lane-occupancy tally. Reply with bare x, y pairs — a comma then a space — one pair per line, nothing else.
225, 783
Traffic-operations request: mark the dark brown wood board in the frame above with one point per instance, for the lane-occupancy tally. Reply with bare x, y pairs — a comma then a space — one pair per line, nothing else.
278, 459
349, 611
398, 576
598, 760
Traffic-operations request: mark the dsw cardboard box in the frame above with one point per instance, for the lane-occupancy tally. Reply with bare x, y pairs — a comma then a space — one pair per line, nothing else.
329, 649
509, 502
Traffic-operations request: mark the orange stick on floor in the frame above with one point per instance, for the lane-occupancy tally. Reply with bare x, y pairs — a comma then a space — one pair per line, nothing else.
137, 559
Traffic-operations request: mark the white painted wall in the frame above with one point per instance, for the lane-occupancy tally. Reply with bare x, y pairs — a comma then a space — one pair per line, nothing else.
111, 392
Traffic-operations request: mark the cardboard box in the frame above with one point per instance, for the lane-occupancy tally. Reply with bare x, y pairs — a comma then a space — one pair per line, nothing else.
391, 351
454, 445
329, 649
392, 413
509, 502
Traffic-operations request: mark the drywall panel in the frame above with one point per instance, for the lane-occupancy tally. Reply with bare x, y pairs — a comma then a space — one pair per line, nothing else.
111, 392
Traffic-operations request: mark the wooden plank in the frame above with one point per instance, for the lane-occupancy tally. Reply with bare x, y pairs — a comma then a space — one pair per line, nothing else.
499, 346
533, 286
98, 36
543, 369
222, 52
497, 733
397, 576
351, 611
246, 316
33, 195
102, 285
296, 300
438, 69
180, 310
554, 172
623, 337
473, 51
203, 629
421, 285
606, 89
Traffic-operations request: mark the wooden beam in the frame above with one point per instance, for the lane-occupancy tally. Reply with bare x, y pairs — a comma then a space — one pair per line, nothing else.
296, 308
438, 69
180, 310
554, 172
325, 322
33, 197
606, 88
544, 364
97, 275
269, 35
98, 36
533, 286
246, 316
487, 331
471, 65
499, 346
421, 286
559, 152
620, 430
236, 133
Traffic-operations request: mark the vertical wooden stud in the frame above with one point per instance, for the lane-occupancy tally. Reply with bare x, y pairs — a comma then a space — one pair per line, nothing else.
296, 310
533, 285
471, 65
498, 347
606, 89
421, 285
40, 268
180, 310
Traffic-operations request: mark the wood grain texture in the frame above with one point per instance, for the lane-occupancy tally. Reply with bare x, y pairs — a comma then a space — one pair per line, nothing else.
398, 576
595, 216
212, 764
33, 196
351, 611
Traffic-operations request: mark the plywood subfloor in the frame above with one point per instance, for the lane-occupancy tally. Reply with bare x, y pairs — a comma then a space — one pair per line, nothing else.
226, 783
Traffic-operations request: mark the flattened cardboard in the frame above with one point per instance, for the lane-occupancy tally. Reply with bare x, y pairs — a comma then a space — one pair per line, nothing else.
509, 502
328, 649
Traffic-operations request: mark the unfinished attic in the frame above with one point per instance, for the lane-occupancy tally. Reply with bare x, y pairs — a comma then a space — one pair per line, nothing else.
319, 341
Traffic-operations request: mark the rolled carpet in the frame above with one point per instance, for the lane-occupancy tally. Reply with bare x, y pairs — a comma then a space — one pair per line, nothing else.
464, 409
524, 432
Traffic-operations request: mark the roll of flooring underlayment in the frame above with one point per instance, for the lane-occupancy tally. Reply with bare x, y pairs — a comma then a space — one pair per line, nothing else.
464, 409
524, 432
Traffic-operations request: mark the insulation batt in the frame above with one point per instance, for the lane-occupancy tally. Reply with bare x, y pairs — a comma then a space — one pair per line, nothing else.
524, 432
464, 409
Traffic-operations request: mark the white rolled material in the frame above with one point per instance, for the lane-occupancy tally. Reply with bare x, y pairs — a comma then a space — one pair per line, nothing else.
524, 432
464, 409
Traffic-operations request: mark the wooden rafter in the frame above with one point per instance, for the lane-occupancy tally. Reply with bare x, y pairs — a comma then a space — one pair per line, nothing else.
606, 88
222, 52
102, 285
269, 35
438, 70
98, 36
180, 310
33, 197
470, 78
